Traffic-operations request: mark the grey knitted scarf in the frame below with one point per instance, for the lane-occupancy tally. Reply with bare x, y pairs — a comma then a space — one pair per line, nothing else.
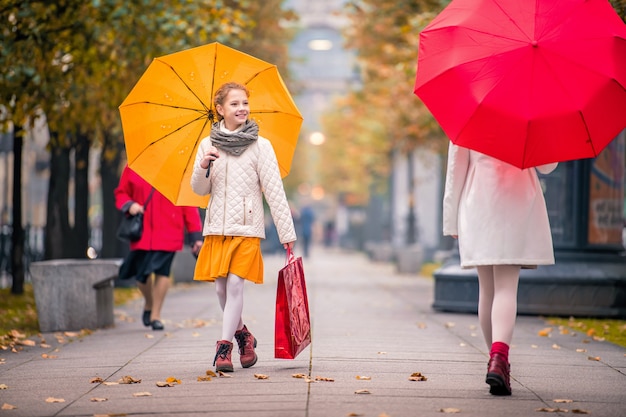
237, 142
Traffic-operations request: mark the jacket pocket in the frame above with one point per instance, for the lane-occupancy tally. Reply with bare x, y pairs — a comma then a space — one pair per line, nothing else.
247, 211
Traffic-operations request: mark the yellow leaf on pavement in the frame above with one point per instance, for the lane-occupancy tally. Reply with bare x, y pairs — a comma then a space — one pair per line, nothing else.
142, 394
7, 406
98, 399
362, 391
449, 410
363, 378
261, 376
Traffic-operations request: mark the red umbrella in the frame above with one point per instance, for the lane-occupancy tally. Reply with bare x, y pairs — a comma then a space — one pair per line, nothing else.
527, 82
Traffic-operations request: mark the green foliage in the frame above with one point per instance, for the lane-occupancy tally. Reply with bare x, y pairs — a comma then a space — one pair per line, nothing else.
610, 330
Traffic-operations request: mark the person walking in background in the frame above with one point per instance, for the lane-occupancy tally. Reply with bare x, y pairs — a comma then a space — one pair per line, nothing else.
237, 167
498, 213
307, 218
163, 235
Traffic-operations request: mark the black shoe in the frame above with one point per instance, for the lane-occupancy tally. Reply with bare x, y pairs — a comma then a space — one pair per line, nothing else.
146, 317
157, 325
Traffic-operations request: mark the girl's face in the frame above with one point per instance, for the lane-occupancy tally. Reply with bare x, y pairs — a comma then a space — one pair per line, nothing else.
235, 109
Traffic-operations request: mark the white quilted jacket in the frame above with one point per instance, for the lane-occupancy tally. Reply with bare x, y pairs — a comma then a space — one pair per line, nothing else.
237, 185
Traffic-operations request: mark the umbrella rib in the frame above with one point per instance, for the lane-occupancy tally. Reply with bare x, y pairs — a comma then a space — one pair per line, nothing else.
201, 111
258, 74
187, 86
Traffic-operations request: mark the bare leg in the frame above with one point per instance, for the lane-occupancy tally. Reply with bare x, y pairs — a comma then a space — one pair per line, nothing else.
159, 290
146, 291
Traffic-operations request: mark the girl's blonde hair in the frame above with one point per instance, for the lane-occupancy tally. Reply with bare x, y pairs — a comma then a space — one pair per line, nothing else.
222, 92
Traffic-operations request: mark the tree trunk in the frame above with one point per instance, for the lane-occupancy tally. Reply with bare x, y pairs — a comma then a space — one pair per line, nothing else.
110, 162
81, 196
58, 234
17, 237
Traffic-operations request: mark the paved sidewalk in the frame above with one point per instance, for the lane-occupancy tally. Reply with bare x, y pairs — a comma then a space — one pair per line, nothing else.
368, 322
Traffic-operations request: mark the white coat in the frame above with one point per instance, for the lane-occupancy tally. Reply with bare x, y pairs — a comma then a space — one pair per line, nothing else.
497, 210
237, 185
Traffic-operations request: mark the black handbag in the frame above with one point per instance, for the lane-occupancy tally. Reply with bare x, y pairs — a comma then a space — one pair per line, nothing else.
131, 227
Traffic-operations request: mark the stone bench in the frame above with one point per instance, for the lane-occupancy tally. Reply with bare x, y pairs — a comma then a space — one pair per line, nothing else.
74, 294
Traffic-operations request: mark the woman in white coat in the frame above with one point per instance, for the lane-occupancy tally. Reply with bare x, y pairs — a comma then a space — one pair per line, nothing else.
498, 213
237, 167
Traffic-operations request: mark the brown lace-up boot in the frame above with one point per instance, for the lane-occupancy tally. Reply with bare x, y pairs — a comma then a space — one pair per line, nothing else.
222, 361
498, 375
246, 343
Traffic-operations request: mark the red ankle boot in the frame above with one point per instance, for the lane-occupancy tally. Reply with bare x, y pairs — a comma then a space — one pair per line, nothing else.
498, 375
222, 361
246, 343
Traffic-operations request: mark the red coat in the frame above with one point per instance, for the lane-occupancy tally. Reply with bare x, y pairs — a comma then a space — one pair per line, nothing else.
164, 223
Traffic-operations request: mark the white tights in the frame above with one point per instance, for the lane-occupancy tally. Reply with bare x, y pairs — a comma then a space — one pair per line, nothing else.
497, 302
230, 294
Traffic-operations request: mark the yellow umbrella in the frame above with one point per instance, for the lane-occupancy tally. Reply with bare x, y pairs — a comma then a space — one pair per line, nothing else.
170, 110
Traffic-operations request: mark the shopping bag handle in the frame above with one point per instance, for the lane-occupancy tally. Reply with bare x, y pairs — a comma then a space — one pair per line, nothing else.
290, 257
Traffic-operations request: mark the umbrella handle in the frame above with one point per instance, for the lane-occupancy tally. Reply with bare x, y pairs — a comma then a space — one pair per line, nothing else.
208, 170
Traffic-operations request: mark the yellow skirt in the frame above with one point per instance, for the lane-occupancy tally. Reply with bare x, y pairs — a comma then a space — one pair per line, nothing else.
221, 255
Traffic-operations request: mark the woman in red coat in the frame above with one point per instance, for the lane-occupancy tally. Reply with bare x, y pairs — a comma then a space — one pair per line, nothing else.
163, 235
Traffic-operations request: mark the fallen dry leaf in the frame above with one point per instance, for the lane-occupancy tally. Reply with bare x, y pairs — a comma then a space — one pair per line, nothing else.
545, 332
204, 378
7, 406
54, 400
581, 350
129, 380
325, 379
363, 378
591, 332
46, 356
172, 380
563, 401
142, 394
210, 373
44, 346
534, 346
96, 380
224, 374
107, 383
301, 376
593, 358
98, 400
421, 325
579, 411
551, 410
261, 376
382, 353
26, 342
162, 384
354, 414
4, 386
417, 376
449, 325
362, 391
71, 334
449, 410
556, 347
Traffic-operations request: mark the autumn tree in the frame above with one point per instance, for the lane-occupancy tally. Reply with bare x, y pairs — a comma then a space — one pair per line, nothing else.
73, 62
365, 126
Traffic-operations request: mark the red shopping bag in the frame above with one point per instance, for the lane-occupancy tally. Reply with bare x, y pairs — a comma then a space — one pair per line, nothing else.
293, 323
